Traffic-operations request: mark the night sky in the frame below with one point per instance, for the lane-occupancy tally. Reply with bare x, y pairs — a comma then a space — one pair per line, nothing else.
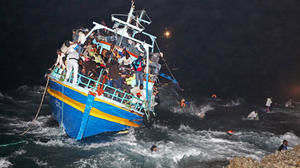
229, 47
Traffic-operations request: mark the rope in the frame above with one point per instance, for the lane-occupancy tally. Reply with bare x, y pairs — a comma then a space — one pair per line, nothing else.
165, 61
39, 109
14, 143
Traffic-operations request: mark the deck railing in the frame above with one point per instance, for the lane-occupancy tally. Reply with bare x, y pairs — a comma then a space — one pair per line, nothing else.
112, 93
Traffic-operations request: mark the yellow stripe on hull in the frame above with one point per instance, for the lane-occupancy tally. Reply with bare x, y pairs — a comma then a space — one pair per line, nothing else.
94, 112
96, 99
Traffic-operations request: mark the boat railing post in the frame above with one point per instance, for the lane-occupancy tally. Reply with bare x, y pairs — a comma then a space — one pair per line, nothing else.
88, 83
113, 96
123, 97
100, 75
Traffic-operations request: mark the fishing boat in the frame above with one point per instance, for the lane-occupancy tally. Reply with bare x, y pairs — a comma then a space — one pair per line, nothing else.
91, 106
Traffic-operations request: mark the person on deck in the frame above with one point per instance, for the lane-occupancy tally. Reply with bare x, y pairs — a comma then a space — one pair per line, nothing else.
59, 61
126, 61
72, 64
138, 66
283, 146
114, 74
75, 35
268, 104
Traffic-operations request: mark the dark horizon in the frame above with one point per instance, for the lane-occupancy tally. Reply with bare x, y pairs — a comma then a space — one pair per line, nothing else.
233, 48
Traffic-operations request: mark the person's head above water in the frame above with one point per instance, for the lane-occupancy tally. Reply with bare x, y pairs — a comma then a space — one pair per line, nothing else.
285, 142
153, 148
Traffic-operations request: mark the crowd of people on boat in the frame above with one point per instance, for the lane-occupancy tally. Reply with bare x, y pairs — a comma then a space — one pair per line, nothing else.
123, 69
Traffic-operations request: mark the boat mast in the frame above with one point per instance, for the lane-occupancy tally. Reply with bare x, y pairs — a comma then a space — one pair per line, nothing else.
129, 18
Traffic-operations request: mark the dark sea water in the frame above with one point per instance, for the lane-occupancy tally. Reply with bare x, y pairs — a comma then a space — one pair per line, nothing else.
183, 138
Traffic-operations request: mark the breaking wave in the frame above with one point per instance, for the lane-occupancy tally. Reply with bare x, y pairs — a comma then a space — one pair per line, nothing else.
182, 146
5, 163
193, 109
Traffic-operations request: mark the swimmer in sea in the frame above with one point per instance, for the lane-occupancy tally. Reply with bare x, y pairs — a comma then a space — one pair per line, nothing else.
153, 148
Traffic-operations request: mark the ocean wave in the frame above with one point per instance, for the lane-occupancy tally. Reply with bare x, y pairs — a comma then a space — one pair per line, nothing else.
31, 90
4, 162
19, 152
4, 96
234, 103
178, 145
291, 138
193, 109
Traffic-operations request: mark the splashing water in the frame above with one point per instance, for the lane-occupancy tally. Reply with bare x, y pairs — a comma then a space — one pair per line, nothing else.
193, 109
182, 146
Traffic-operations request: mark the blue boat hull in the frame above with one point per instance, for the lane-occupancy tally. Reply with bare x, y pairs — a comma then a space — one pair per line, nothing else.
83, 115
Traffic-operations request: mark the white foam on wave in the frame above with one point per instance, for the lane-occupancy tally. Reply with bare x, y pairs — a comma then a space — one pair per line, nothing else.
193, 109
4, 96
34, 89
38, 126
291, 138
20, 152
4, 162
183, 143
233, 103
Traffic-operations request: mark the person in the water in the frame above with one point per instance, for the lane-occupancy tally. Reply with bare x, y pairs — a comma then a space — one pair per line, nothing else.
268, 104
283, 146
182, 103
289, 104
153, 148
230, 132
253, 115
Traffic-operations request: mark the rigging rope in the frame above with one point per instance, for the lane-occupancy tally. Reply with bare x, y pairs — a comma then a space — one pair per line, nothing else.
39, 109
13, 143
165, 61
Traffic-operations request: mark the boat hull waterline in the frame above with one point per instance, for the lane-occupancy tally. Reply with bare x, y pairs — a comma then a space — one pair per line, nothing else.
83, 115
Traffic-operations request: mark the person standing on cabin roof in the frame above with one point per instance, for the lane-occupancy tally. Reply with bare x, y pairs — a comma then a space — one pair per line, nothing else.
72, 62
268, 104
138, 66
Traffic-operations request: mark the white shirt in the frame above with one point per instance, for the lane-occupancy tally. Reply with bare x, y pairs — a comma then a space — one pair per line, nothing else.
73, 56
81, 37
125, 61
253, 114
59, 60
135, 91
138, 47
269, 102
71, 48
